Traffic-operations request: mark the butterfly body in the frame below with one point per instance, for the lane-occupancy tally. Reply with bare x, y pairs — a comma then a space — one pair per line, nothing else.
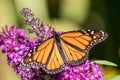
68, 48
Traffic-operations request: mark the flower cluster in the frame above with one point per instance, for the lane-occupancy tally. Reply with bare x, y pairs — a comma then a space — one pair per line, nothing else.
16, 45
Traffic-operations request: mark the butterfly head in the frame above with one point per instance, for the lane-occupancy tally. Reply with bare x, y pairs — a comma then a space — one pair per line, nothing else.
55, 33
56, 36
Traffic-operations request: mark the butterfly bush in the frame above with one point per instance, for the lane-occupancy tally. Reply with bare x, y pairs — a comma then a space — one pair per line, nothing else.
16, 45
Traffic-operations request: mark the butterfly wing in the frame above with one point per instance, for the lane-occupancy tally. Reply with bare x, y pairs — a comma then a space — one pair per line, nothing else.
76, 44
46, 55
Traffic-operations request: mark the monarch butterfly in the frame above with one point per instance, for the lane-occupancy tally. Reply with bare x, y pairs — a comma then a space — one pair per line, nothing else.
70, 47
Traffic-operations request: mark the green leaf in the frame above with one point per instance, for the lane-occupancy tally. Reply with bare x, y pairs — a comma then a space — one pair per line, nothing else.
113, 78
104, 62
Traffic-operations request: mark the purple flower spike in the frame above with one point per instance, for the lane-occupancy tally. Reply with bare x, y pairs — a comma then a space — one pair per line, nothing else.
42, 31
86, 71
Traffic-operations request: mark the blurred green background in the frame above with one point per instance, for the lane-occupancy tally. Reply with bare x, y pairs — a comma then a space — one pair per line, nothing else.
69, 15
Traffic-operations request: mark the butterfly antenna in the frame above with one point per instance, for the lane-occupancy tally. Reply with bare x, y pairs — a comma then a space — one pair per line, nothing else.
54, 25
55, 21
